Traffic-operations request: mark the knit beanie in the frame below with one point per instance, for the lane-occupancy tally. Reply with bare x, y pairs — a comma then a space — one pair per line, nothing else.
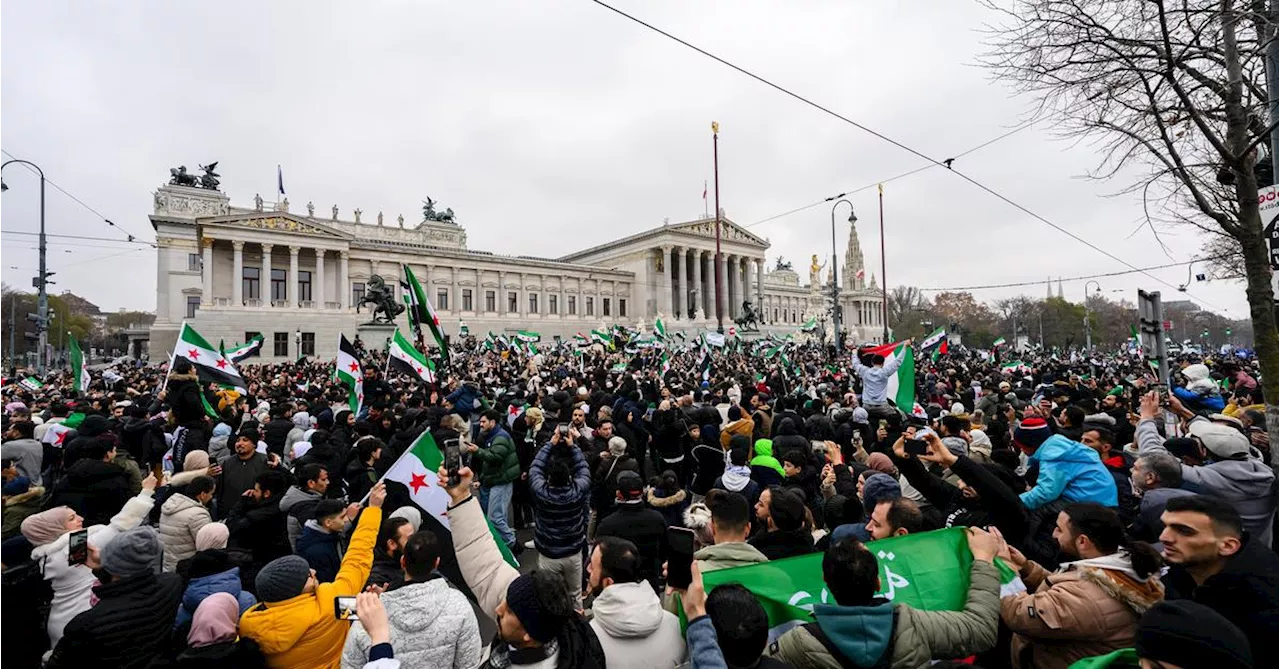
195, 460
409, 513
133, 552
212, 535
46, 526
860, 416
879, 487
1030, 433
522, 599
1191, 635
283, 578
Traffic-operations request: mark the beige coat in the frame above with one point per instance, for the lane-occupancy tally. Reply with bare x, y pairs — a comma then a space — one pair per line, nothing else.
1088, 608
180, 519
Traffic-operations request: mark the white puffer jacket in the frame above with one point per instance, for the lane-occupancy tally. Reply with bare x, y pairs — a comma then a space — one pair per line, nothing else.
432, 626
72, 584
180, 519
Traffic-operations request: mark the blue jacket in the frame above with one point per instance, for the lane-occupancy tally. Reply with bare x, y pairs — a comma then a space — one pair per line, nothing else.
1071, 471
463, 400
198, 589
561, 512
1197, 403
321, 550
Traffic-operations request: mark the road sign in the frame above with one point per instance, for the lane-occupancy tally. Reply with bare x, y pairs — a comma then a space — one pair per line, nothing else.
1167, 326
1269, 211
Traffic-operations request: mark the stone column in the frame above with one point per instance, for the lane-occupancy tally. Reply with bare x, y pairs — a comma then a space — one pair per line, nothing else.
735, 286
344, 279
206, 269
562, 304
292, 284
760, 280
455, 295
682, 287
522, 301
266, 273
317, 281
237, 273
664, 304
500, 302
713, 285
698, 283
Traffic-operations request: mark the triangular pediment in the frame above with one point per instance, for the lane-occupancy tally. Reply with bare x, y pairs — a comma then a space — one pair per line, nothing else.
728, 231
276, 221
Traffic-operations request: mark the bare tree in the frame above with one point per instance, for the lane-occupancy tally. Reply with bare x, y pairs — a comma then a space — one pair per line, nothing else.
1171, 89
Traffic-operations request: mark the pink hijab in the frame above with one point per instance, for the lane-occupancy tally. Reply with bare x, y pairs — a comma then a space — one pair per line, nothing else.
215, 620
212, 535
46, 526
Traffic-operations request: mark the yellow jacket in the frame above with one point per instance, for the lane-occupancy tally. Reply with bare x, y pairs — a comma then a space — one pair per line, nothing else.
302, 633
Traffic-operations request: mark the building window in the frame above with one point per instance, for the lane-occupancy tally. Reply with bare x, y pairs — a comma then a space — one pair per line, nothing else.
591, 306
193, 303
622, 307
280, 344
194, 264
533, 303
604, 306
442, 299
775, 315
308, 343
553, 306
248, 337
466, 300
357, 293
304, 286
573, 305
249, 283
490, 301
513, 302
279, 285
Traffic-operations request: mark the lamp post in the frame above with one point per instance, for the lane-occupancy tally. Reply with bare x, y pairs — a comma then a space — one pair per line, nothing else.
884, 273
42, 295
1088, 327
835, 279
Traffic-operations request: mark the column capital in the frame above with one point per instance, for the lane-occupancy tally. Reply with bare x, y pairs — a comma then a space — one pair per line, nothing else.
293, 250
207, 242
266, 248
666, 248
237, 245
344, 254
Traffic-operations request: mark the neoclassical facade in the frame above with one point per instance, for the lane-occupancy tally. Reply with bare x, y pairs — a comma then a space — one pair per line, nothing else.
297, 278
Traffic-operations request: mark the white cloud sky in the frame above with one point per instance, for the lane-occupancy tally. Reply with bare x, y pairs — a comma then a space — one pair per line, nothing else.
552, 126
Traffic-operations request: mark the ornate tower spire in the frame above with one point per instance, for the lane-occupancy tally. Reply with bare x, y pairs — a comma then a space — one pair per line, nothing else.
854, 269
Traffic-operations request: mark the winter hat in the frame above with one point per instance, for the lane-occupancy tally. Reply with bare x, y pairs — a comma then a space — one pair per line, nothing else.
195, 460
879, 487
1195, 372
411, 514
17, 486
860, 416
1223, 441
1182, 447
222, 430
1117, 391
46, 526
212, 535
617, 446
957, 408
1191, 635
1030, 433
133, 552
215, 620
539, 623
92, 426
956, 445
283, 578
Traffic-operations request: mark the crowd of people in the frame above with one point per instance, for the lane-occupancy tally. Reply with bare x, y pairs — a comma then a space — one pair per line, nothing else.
160, 521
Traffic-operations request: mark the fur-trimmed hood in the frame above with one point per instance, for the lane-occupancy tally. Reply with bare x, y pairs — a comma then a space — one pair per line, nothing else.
1114, 574
184, 377
661, 502
34, 492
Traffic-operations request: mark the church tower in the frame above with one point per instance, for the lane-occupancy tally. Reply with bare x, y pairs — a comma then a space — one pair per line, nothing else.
855, 272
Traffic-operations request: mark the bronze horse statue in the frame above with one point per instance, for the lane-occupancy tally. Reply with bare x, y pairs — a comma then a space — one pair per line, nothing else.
385, 309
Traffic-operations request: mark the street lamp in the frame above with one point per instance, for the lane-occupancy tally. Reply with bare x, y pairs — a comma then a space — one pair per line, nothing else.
42, 295
1088, 328
835, 282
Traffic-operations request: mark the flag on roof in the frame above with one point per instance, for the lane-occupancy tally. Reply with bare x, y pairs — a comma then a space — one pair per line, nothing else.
405, 359
79, 373
211, 365
902, 385
348, 370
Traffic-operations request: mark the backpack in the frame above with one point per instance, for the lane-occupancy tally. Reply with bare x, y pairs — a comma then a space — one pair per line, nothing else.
885, 661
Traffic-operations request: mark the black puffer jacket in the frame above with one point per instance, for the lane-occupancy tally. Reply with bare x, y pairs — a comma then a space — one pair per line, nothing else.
94, 489
260, 529
183, 397
131, 626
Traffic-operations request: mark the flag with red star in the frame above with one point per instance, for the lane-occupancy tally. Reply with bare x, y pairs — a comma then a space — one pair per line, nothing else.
403, 358
418, 471
56, 435
421, 313
210, 364
348, 370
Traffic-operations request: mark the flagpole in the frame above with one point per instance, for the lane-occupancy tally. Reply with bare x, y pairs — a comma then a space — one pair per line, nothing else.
715, 157
884, 273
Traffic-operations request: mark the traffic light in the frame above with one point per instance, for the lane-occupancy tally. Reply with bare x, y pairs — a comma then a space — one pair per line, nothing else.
1205, 334
1228, 332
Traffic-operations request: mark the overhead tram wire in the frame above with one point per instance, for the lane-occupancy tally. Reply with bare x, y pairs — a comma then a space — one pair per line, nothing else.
922, 168
1038, 282
889, 140
85, 237
130, 236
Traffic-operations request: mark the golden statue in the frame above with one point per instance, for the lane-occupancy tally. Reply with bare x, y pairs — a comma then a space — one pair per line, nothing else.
815, 271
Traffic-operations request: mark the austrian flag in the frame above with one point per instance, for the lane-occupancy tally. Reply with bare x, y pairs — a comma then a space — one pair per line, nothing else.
211, 365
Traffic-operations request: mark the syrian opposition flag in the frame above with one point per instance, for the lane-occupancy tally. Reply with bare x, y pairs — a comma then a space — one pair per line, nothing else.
902, 385
1015, 366
348, 370
421, 312
211, 365
659, 328
704, 365
666, 364
528, 337
414, 480
810, 325
998, 343
31, 383
241, 352
927, 571
56, 434
514, 411
79, 373
935, 338
405, 359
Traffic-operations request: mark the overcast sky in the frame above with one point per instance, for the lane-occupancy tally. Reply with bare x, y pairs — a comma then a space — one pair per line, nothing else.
551, 126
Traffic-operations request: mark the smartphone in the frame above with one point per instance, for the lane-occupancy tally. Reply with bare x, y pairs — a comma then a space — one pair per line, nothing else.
78, 547
344, 608
564, 429
453, 460
679, 557
915, 446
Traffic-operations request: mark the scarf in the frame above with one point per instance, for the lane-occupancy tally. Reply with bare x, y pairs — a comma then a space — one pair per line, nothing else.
215, 620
